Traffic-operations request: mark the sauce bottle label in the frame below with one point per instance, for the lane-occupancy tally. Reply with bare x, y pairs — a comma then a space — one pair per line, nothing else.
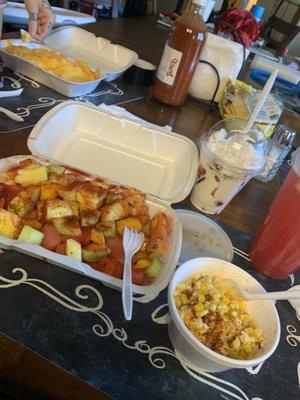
169, 65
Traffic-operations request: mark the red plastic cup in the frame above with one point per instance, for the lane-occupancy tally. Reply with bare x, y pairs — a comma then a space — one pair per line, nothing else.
275, 249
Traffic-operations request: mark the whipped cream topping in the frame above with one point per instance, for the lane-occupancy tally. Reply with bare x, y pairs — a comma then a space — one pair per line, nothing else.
239, 149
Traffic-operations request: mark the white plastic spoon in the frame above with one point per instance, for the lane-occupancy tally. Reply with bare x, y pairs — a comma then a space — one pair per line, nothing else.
11, 115
262, 98
284, 295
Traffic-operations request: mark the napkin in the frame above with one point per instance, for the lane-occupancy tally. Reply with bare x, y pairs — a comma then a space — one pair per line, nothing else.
226, 56
10, 93
121, 112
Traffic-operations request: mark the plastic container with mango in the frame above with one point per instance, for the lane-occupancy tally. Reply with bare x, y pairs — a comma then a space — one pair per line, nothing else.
81, 218
239, 99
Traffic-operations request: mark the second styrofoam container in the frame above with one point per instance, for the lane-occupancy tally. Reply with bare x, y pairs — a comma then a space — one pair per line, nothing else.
263, 313
33, 71
162, 165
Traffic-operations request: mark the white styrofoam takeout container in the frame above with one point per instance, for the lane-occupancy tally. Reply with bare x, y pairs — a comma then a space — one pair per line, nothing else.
78, 43
33, 71
162, 165
16, 13
263, 313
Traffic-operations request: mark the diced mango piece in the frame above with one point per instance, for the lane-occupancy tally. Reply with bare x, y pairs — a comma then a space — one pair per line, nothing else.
141, 255
49, 190
32, 175
68, 193
25, 201
9, 223
10, 183
130, 222
90, 197
4, 177
98, 237
89, 217
160, 226
74, 208
57, 208
119, 209
136, 201
142, 264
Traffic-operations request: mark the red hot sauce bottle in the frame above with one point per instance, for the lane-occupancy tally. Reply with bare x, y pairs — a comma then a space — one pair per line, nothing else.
181, 56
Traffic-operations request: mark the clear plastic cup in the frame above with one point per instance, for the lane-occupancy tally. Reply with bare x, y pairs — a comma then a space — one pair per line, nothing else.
229, 158
275, 249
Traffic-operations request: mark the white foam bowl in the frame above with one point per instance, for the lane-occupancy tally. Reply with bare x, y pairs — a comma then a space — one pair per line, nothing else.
263, 313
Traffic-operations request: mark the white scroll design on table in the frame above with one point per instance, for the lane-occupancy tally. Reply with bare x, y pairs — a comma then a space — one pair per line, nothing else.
105, 327
115, 91
291, 338
241, 254
48, 101
15, 83
292, 278
42, 103
33, 83
293, 341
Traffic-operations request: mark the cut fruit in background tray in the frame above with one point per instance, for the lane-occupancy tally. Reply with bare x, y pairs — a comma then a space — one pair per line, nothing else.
100, 53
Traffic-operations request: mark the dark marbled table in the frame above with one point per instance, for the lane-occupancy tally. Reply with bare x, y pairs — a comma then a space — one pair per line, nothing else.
51, 342
77, 324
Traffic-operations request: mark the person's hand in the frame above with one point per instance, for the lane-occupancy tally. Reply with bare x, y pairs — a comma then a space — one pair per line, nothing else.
40, 18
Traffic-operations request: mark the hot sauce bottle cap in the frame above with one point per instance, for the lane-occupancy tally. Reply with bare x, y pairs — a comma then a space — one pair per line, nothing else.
202, 3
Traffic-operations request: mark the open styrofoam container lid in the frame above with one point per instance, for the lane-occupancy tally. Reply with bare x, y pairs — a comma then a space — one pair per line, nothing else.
161, 164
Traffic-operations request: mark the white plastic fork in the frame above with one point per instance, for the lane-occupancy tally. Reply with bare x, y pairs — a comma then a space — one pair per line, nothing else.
132, 242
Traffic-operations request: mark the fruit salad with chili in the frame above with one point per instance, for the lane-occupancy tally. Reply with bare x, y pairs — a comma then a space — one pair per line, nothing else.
73, 214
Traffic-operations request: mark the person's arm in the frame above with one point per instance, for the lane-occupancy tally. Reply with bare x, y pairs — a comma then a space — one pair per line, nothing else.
40, 18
